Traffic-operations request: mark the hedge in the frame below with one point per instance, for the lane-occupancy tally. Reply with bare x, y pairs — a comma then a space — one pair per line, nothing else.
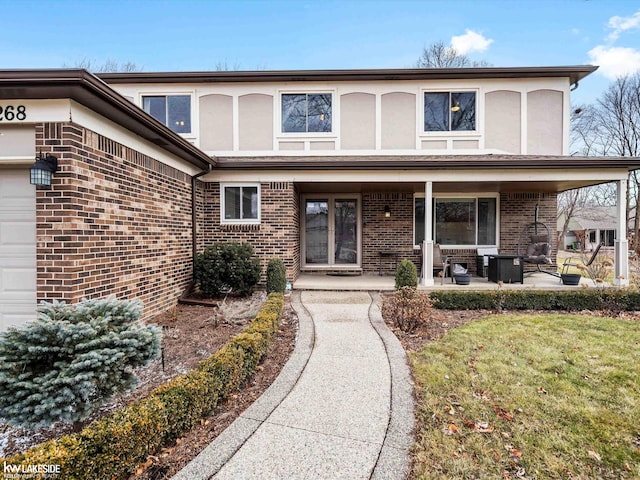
574, 300
112, 447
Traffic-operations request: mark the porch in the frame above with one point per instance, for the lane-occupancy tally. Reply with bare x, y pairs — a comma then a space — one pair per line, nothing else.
316, 281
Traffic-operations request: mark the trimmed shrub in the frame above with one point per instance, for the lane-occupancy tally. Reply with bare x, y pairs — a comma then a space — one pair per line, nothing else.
406, 275
407, 308
72, 359
276, 276
225, 267
612, 301
113, 446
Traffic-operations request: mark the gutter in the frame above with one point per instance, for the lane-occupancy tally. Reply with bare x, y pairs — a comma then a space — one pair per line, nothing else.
194, 226
194, 234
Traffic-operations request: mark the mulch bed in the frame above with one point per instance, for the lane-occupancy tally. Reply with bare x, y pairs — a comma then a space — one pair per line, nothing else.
190, 334
173, 458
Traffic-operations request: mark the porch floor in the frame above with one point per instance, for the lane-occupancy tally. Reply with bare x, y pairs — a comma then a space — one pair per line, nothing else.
315, 281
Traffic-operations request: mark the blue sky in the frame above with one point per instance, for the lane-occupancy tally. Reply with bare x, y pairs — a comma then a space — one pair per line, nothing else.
166, 35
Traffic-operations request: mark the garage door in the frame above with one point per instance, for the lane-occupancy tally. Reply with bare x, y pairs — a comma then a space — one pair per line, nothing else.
17, 248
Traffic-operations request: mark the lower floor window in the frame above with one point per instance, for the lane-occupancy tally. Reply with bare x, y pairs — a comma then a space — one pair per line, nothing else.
458, 221
240, 203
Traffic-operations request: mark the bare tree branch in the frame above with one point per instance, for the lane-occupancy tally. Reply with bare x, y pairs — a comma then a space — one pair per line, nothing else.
108, 66
439, 55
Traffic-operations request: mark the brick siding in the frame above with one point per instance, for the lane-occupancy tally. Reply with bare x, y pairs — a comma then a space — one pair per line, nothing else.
277, 235
114, 222
516, 211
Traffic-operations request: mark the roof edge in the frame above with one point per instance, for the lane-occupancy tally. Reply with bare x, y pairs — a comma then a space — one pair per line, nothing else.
574, 72
94, 93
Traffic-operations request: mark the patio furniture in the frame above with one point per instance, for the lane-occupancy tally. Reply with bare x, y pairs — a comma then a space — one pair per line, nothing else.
572, 262
482, 260
534, 246
505, 268
440, 263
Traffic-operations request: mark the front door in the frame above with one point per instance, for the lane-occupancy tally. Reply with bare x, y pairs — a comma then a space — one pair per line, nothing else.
331, 233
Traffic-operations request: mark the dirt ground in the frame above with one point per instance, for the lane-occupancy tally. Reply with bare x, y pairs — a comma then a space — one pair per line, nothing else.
190, 334
440, 322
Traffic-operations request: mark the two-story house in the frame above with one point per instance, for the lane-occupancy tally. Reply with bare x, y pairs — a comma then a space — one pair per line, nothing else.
329, 170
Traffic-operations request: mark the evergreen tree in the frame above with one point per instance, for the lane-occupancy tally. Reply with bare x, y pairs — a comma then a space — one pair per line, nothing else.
72, 359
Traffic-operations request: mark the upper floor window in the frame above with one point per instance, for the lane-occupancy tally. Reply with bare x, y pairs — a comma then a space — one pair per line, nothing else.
172, 110
449, 111
306, 112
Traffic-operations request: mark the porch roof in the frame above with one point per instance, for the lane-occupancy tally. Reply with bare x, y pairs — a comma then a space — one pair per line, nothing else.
426, 162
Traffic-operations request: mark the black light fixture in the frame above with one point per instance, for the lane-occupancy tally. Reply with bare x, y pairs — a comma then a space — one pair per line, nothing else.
387, 211
43, 168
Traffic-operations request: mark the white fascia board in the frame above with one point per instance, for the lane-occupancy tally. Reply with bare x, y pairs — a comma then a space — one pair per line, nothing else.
436, 176
38, 111
99, 124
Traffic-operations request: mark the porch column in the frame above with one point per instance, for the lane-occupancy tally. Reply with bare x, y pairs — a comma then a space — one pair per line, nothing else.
621, 272
427, 246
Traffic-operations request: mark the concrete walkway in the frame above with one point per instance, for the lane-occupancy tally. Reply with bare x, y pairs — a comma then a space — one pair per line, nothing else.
342, 407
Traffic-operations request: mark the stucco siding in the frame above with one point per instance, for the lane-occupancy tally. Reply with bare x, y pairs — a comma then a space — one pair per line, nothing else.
503, 121
544, 122
398, 120
358, 121
256, 122
216, 122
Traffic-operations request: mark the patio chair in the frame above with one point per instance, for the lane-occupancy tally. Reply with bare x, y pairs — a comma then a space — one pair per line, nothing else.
482, 260
534, 246
572, 261
440, 263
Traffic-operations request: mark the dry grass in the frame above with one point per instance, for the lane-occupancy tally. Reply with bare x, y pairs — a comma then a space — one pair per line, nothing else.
530, 396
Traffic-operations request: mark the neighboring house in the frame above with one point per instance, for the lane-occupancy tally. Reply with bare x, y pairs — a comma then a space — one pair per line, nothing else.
590, 227
324, 169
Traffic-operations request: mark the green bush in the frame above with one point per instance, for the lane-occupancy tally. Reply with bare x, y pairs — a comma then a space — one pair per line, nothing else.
226, 267
612, 301
276, 276
72, 359
113, 446
406, 275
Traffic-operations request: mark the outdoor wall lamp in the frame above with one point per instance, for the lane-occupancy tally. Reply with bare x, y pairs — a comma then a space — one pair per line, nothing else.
43, 168
387, 211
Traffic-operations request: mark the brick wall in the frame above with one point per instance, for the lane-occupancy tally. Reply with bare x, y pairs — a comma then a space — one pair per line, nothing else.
516, 211
114, 222
393, 234
396, 233
278, 234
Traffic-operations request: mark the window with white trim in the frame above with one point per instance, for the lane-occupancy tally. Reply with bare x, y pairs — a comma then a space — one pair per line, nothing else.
449, 111
240, 203
459, 221
306, 112
172, 110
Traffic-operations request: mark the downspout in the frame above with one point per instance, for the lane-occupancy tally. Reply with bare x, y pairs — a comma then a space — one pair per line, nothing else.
574, 86
194, 230
194, 226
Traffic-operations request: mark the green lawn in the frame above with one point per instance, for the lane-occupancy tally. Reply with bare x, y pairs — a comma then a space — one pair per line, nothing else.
530, 396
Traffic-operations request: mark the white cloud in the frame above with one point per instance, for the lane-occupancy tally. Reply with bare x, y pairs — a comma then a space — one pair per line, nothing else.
615, 61
470, 42
622, 24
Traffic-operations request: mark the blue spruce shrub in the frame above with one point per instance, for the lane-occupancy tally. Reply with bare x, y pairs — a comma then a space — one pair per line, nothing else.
72, 359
